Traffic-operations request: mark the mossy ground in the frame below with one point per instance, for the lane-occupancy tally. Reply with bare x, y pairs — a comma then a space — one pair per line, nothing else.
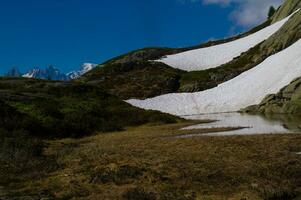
34, 110
65, 109
147, 163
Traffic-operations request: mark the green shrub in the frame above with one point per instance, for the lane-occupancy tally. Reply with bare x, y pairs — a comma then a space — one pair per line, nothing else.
58, 110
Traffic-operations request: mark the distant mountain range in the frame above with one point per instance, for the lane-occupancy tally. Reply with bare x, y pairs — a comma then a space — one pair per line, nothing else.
51, 73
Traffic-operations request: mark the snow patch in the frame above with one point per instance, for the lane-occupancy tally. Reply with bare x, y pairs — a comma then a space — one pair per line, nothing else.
214, 56
247, 89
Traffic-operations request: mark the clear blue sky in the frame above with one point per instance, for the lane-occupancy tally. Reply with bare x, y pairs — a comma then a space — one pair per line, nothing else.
66, 33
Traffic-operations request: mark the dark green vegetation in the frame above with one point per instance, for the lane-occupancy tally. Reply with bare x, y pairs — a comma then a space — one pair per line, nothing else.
33, 110
37, 161
35, 113
135, 79
143, 79
64, 109
20, 152
147, 163
272, 11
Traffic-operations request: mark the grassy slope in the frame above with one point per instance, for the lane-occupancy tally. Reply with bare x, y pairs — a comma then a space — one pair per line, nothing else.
137, 77
140, 79
133, 76
58, 109
141, 163
154, 53
32, 110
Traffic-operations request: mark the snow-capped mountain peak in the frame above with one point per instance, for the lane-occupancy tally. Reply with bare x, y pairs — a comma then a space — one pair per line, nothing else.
32, 73
52, 73
86, 67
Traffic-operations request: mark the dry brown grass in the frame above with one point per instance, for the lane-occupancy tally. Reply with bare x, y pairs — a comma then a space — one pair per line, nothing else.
146, 163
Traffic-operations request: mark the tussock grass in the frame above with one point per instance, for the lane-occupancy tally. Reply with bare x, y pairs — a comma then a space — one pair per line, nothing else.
139, 163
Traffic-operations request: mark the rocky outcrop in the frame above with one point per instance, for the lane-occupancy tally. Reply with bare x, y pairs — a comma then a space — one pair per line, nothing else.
287, 101
288, 34
288, 7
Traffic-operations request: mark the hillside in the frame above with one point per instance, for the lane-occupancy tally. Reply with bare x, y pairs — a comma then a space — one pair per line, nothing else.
64, 109
244, 81
244, 90
116, 131
285, 101
122, 75
288, 7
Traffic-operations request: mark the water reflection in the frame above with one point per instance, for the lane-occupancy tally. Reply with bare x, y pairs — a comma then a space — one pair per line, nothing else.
252, 124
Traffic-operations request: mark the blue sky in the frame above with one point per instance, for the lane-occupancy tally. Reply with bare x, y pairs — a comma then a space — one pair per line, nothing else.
67, 33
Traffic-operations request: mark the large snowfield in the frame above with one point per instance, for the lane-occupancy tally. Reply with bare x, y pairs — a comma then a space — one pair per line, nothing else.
214, 56
247, 89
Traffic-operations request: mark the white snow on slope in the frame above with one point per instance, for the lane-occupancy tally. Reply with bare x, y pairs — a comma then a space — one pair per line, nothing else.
31, 73
247, 89
214, 56
86, 67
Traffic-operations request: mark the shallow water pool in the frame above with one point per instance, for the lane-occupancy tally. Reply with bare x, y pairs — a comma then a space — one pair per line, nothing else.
250, 124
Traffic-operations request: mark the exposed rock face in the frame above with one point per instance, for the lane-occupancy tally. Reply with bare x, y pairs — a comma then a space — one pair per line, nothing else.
288, 7
287, 101
286, 36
